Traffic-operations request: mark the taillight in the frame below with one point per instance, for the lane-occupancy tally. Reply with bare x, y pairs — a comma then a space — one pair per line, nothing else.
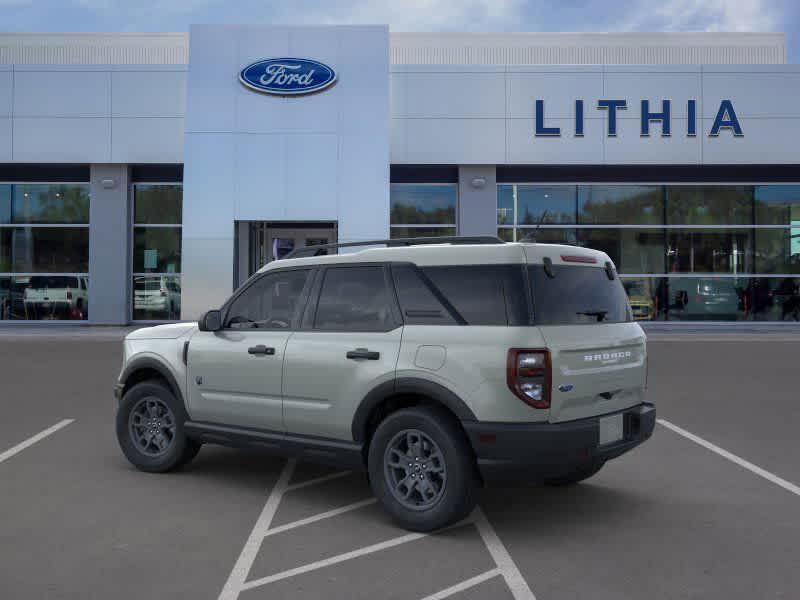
528, 373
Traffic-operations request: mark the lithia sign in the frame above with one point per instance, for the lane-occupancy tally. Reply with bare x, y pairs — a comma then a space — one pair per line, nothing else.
725, 120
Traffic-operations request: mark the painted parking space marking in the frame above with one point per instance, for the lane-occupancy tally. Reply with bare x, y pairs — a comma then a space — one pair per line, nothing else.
326, 515
464, 585
323, 479
33, 439
233, 587
237, 580
771, 477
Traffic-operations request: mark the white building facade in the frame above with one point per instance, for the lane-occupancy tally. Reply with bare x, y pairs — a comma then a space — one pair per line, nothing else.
143, 177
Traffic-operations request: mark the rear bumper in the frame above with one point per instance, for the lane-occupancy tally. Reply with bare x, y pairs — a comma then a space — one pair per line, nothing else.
529, 452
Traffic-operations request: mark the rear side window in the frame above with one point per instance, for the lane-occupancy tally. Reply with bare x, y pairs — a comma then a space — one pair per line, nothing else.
483, 294
418, 302
577, 295
354, 299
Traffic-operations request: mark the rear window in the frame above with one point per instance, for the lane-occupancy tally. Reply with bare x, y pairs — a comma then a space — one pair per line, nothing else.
483, 294
577, 295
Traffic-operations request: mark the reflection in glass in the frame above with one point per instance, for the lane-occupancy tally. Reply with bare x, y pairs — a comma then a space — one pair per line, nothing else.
44, 297
621, 204
631, 250
556, 204
777, 205
776, 299
156, 204
709, 251
708, 299
45, 203
643, 295
157, 249
778, 250
156, 297
44, 249
505, 205
411, 232
413, 204
709, 205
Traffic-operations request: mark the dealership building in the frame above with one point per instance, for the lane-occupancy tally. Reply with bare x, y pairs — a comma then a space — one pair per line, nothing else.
143, 177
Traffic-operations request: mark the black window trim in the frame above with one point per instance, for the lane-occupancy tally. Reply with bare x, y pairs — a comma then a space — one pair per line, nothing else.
310, 314
301, 303
448, 306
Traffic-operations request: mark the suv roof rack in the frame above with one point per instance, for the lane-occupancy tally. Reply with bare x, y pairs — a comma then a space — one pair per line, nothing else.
322, 249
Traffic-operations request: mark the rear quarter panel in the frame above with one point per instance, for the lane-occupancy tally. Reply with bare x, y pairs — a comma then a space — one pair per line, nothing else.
474, 365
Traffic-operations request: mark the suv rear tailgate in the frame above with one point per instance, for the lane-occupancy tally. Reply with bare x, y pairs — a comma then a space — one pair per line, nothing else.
597, 368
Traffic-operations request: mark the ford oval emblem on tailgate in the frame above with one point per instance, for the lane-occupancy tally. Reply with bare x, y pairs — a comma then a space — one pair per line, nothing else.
565, 387
287, 76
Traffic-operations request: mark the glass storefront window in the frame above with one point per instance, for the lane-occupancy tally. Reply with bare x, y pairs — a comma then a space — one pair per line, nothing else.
156, 297
423, 210
44, 251
632, 250
778, 205
157, 250
545, 204
708, 299
709, 205
617, 204
44, 204
158, 204
156, 284
709, 251
778, 250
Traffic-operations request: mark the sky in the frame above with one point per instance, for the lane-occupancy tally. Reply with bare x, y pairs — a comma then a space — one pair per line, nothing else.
413, 15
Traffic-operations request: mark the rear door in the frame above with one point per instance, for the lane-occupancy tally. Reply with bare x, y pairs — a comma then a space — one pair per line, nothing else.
349, 344
598, 352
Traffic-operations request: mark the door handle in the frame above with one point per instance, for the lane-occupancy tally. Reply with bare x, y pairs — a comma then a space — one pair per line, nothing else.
261, 349
363, 353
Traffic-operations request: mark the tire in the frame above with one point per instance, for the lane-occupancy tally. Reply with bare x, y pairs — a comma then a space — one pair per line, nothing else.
169, 448
575, 476
437, 447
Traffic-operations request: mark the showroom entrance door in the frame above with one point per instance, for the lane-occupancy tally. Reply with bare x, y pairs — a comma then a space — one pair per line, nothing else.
273, 241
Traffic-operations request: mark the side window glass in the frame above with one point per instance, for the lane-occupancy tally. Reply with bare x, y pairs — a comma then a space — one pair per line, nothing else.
269, 303
483, 294
354, 299
418, 304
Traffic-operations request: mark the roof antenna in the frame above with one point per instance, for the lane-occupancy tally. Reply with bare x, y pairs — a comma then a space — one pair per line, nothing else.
531, 237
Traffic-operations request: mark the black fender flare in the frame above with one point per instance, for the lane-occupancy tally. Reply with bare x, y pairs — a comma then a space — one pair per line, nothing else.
147, 362
407, 385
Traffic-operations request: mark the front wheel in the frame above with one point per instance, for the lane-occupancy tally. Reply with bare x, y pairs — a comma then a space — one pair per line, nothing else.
150, 428
422, 470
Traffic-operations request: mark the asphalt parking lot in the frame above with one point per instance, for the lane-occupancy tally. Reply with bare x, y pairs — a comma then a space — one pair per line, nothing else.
708, 508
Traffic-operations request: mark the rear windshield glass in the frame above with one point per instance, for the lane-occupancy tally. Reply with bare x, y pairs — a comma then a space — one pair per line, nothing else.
577, 295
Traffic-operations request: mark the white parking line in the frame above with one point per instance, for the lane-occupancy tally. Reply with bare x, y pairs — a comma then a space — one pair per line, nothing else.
33, 439
771, 477
235, 584
323, 479
320, 516
333, 560
508, 568
464, 585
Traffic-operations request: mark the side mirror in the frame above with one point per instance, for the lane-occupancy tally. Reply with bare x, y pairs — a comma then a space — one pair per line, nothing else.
210, 321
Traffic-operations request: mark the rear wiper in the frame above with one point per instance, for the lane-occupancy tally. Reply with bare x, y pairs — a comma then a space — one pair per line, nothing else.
600, 314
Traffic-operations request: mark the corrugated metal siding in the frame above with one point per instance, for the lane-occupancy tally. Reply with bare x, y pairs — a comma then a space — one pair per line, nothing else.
94, 49
426, 49
575, 55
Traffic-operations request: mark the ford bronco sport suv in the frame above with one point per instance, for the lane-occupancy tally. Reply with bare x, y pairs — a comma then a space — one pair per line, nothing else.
437, 365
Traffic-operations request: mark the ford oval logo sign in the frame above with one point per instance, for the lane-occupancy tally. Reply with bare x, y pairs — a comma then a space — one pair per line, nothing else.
287, 76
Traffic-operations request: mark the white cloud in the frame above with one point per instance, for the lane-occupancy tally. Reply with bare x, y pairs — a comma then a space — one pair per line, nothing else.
704, 15
415, 15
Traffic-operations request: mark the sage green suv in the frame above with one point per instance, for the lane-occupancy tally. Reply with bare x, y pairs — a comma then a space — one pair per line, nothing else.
437, 366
